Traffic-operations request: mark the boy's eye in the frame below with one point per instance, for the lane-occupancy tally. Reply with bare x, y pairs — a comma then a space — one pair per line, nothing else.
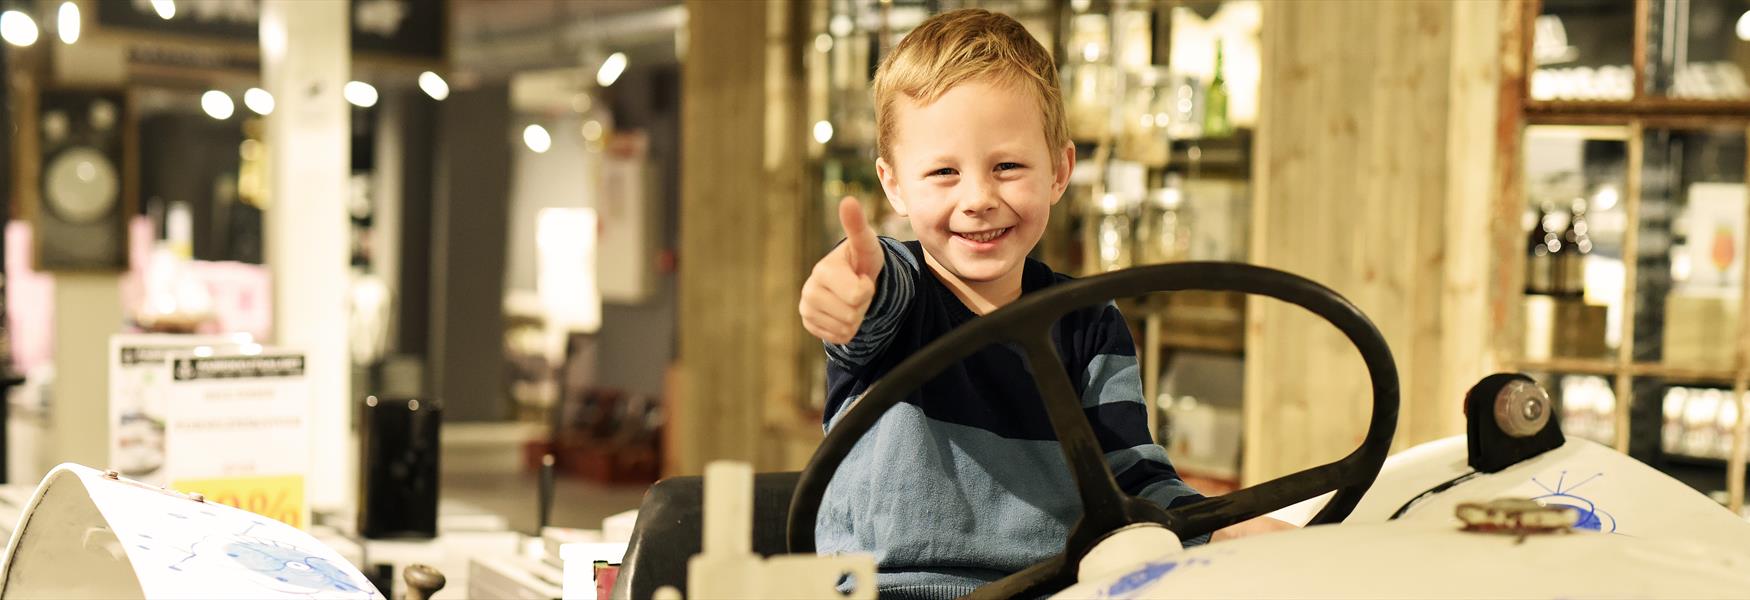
942, 172
1008, 165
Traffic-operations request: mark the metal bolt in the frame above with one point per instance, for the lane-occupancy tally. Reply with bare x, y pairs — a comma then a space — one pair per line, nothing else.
112, 474
197, 497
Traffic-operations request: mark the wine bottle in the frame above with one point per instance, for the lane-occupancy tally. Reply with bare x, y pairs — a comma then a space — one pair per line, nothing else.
1539, 265
1576, 245
1215, 121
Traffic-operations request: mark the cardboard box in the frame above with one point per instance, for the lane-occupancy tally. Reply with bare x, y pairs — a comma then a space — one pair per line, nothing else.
1701, 329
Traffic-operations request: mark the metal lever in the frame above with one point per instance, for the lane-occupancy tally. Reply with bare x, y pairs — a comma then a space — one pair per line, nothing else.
422, 581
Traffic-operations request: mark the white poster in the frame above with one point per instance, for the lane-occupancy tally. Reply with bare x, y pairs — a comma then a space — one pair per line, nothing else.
1716, 237
137, 378
239, 432
628, 241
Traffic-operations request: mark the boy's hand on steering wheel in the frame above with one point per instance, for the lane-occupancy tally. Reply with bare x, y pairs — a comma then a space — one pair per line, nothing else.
838, 292
1258, 526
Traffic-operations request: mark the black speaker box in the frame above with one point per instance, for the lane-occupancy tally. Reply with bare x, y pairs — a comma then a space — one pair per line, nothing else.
398, 494
86, 183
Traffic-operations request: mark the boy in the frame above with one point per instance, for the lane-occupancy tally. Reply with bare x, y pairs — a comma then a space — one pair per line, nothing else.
963, 482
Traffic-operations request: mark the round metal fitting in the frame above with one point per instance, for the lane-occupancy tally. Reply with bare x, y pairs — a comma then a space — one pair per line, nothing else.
1522, 408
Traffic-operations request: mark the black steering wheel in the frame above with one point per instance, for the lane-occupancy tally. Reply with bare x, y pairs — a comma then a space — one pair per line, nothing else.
1106, 509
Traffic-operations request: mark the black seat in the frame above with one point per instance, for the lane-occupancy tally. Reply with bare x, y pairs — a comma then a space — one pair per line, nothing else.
668, 531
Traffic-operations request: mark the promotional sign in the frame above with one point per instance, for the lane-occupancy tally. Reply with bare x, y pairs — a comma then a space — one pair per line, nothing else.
239, 432
137, 377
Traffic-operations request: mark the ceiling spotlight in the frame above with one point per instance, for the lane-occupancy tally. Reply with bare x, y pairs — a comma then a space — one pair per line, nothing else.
592, 130
165, 8
67, 23
611, 69
841, 26
537, 139
259, 101
17, 28
360, 94
1744, 26
822, 132
217, 104
434, 85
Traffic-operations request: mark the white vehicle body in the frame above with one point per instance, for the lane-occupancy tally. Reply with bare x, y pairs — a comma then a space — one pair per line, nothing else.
1640, 534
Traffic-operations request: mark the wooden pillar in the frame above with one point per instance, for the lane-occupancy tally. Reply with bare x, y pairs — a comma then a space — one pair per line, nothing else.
744, 225
1374, 167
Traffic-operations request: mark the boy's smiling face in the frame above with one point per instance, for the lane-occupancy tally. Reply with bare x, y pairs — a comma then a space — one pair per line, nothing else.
974, 174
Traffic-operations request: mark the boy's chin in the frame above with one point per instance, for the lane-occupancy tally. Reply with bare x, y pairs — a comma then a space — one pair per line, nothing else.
984, 271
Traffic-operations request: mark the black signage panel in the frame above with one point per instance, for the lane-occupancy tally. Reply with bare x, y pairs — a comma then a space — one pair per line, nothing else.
412, 29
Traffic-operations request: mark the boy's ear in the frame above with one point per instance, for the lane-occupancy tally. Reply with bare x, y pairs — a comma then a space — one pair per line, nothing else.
890, 185
1060, 177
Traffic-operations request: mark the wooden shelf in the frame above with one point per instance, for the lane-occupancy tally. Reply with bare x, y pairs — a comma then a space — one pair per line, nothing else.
1223, 344
1193, 320
1577, 366
1674, 373
1715, 110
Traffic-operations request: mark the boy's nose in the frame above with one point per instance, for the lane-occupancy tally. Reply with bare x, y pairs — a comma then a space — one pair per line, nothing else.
980, 198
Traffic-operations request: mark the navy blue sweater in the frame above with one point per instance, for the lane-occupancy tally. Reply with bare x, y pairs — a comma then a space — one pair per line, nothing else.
963, 482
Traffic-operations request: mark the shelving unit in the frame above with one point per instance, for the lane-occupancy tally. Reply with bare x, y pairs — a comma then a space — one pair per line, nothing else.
1669, 146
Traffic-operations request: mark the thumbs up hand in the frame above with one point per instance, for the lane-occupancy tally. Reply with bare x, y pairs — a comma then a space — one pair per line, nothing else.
838, 292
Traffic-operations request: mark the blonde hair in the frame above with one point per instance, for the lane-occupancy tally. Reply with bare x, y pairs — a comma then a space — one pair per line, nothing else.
962, 45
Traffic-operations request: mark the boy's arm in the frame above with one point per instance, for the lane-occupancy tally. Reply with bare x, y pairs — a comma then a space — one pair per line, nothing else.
895, 287
1112, 399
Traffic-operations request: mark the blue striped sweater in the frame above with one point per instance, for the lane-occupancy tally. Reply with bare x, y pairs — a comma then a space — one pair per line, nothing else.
963, 482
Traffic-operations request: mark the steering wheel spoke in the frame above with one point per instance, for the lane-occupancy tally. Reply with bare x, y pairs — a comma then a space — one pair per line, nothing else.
1103, 504
1042, 578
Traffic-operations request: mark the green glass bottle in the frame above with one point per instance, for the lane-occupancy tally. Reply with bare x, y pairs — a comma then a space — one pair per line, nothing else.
1215, 121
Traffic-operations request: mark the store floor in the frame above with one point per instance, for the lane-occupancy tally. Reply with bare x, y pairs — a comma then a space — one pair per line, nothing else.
513, 495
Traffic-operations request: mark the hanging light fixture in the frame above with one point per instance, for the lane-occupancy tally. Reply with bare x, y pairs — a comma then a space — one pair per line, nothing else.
218, 104
537, 138
434, 85
67, 22
259, 101
17, 28
611, 69
360, 94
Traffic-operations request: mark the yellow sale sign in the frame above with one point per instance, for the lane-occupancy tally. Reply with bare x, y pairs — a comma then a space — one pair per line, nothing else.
280, 498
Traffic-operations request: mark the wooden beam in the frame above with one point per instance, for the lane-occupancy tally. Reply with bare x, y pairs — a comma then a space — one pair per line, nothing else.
1375, 155
742, 381
722, 375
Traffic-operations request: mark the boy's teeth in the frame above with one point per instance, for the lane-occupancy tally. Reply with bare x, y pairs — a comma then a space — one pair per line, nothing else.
984, 236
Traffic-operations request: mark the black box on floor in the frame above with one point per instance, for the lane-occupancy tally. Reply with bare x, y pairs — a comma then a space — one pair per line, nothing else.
398, 453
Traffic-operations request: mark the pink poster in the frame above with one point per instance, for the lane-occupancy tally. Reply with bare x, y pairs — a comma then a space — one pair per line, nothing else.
30, 301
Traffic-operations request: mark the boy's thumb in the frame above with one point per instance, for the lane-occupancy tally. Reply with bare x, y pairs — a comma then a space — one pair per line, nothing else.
865, 251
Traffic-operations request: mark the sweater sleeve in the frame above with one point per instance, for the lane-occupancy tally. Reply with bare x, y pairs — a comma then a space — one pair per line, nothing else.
894, 289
